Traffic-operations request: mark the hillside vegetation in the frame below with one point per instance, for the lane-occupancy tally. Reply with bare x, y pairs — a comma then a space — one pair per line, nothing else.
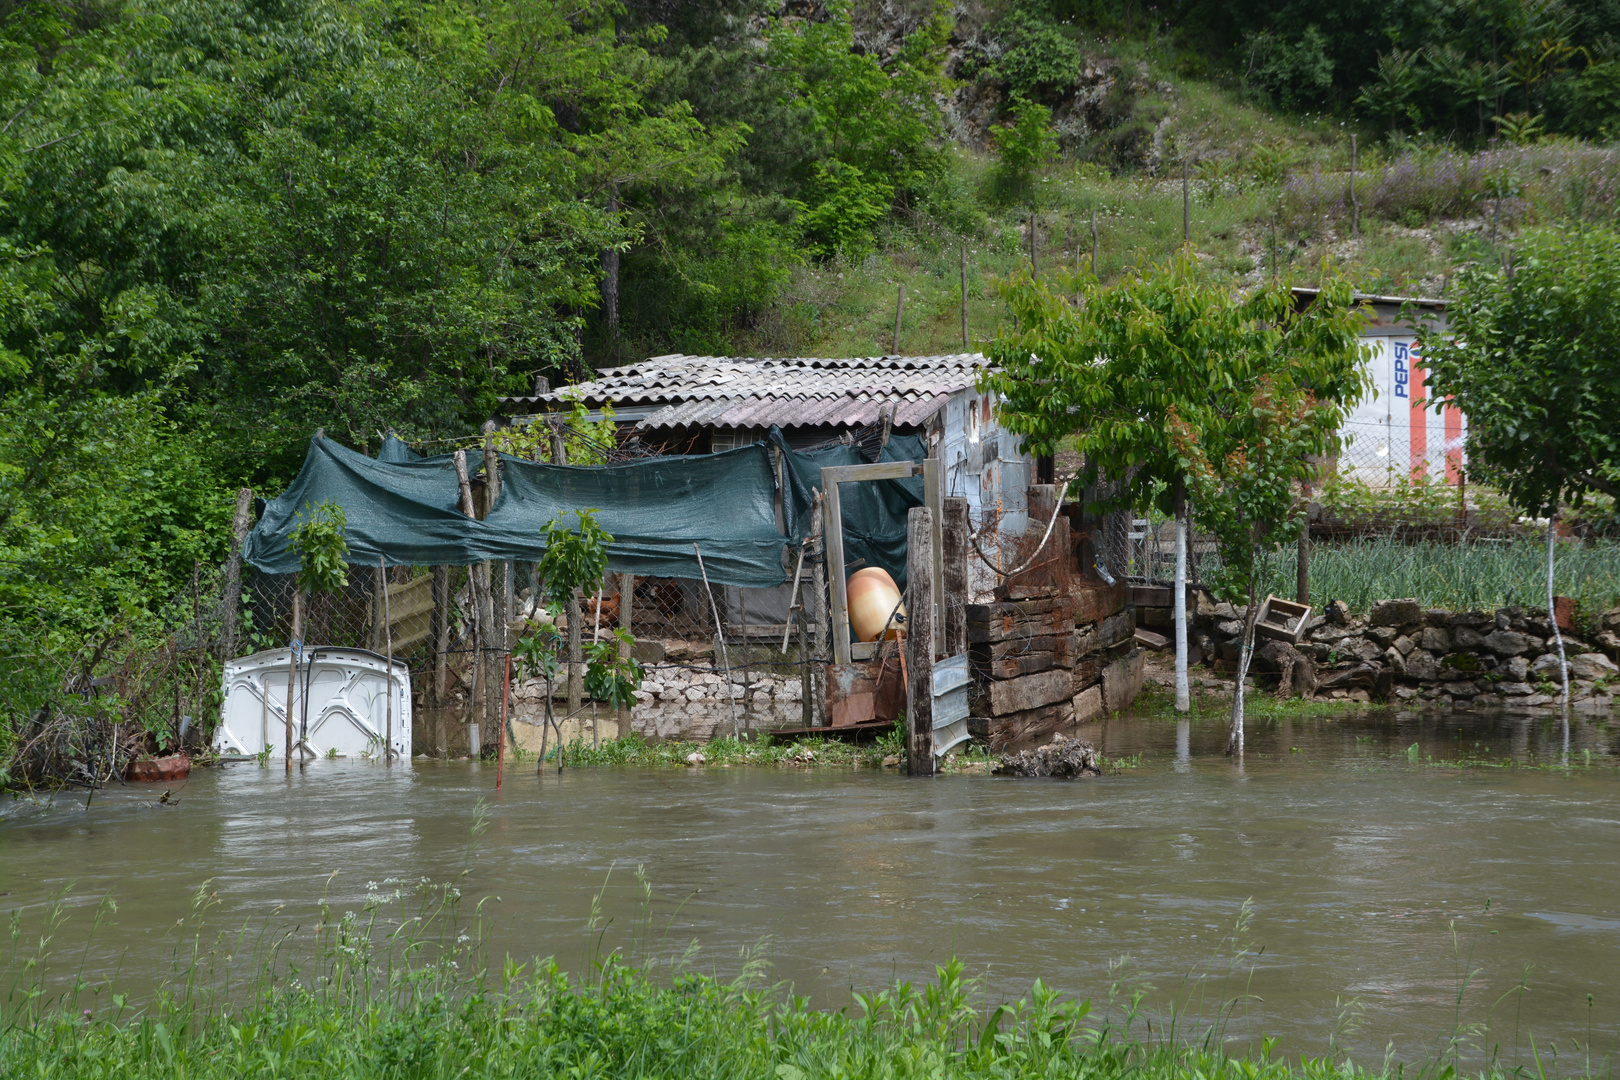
225, 224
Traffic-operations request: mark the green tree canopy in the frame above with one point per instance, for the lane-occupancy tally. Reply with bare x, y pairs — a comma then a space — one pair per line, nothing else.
1531, 356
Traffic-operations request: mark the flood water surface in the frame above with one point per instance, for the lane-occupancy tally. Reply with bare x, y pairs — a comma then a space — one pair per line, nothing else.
1378, 882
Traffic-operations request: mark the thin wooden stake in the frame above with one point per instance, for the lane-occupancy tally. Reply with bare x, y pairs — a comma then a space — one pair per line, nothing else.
1093, 241
962, 254
899, 312
1186, 201
793, 597
1355, 207
725, 657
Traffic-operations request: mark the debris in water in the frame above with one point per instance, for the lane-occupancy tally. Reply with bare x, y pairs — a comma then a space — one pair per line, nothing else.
695, 758
1062, 757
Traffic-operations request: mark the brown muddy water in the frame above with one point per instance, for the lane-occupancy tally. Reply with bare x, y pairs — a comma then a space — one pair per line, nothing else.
1377, 879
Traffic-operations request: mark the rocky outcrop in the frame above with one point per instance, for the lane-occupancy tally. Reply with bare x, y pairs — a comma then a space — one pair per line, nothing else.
1062, 757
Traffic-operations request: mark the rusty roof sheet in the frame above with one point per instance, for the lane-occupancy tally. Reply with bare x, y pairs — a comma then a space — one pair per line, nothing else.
799, 392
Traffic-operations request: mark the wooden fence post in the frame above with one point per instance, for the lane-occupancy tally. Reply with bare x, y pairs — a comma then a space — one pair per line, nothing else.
919, 644
231, 593
818, 586
627, 593
441, 657
953, 605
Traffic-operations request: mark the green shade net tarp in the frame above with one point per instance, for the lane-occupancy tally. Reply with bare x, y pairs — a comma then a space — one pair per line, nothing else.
407, 513
874, 512
656, 509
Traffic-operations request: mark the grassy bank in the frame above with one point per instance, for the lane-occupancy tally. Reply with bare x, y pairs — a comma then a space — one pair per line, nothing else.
403, 989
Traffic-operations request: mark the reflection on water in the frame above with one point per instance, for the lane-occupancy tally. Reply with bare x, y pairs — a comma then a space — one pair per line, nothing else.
1360, 859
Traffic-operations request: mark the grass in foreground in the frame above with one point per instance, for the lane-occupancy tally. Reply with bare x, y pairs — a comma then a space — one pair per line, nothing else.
402, 989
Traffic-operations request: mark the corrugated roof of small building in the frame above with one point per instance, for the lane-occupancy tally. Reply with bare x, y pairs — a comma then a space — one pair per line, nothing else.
723, 391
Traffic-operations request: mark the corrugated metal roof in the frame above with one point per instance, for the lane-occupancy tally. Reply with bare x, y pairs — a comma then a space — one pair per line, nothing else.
807, 391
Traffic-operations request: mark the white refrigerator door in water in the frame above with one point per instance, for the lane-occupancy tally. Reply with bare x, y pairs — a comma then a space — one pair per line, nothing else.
340, 705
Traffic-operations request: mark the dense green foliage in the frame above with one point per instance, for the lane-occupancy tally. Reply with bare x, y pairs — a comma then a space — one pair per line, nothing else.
1533, 359
225, 224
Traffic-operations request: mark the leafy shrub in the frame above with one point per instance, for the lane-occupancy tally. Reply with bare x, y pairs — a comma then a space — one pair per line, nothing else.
1024, 147
1293, 73
1038, 62
845, 208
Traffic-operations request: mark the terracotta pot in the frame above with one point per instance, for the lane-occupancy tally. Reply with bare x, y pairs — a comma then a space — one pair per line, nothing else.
872, 596
159, 770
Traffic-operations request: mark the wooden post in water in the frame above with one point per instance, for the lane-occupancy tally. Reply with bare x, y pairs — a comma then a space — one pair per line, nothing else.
576, 656
489, 615
919, 643
953, 605
479, 590
441, 656
231, 615
818, 587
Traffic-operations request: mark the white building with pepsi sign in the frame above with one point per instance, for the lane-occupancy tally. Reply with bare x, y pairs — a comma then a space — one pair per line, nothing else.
1399, 431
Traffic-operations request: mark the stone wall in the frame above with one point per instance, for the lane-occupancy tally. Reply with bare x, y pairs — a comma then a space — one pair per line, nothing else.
1402, 651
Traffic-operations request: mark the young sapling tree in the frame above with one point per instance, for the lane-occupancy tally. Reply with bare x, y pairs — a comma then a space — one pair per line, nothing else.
1531, 356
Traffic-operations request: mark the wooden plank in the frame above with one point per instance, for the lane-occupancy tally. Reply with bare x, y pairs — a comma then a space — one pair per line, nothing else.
1025, 692
954, 603
919, 643
833, 523
1030, 725
882, 470
1148, 639
1061, 644
1094, 601
1011, 667
934, 499
1011, 625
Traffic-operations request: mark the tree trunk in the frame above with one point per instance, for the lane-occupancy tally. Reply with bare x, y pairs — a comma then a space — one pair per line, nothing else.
1234, 742
610, 282
231, 596
1183, 685
1552, 609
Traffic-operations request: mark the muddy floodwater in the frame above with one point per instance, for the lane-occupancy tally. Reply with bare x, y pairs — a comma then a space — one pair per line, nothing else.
1383, 883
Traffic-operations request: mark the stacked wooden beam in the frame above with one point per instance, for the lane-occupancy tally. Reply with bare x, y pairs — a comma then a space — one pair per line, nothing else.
1021, 653
1108, 666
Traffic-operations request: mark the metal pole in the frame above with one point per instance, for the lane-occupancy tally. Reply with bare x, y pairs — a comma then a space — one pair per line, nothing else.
721, 634
292, 666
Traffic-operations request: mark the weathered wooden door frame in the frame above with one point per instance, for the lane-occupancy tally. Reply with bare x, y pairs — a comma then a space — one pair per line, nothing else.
933, 498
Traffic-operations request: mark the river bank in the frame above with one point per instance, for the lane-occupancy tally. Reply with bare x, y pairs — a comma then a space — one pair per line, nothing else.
533, 1020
